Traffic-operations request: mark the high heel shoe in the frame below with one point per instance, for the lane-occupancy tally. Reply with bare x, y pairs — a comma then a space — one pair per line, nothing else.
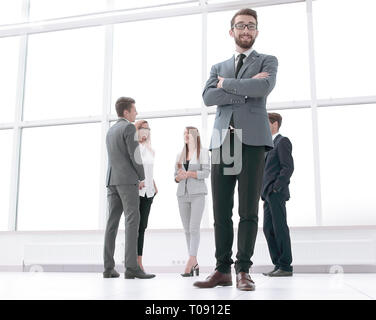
194, 269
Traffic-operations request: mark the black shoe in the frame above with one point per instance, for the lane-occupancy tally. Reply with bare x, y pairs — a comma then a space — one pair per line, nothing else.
270, 272
194, 269
138, 273
111, 274
281, 273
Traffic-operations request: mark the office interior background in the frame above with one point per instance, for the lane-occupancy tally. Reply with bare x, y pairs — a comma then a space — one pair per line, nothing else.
63, 65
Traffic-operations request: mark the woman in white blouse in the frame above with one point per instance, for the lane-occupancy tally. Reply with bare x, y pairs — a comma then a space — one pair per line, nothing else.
148, 192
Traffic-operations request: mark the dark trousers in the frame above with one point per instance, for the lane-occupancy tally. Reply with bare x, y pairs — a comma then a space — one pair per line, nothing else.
249, 188
145, 205
277, 232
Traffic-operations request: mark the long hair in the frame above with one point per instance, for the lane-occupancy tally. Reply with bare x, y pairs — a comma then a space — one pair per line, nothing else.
196, 135
138, 126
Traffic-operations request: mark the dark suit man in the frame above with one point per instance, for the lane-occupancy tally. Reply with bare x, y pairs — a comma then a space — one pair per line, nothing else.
125, 176
239, 87
279, 166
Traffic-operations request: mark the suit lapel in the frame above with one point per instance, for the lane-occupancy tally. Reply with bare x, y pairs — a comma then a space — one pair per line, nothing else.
230, 67
277, 139
248, 62
275, 142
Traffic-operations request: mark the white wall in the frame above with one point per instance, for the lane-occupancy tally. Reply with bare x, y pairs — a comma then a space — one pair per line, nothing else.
314, 249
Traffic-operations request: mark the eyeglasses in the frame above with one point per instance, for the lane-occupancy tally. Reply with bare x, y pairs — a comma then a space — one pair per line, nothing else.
241, 26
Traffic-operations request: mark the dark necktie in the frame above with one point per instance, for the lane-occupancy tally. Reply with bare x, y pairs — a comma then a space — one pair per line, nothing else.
240, 64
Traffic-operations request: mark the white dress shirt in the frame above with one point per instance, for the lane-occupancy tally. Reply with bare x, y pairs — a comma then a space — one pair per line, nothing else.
274, 135
148, 162
247, 53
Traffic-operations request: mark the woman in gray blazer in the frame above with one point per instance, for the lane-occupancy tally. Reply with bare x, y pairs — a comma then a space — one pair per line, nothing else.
191, 169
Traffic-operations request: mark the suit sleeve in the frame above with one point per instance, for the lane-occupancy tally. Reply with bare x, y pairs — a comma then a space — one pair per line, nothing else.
254, 87
218, 96
176, 168
284, 150
134, 150
205, 164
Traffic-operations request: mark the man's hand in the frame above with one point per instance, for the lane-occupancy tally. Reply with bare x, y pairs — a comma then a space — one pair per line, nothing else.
261, 75
141, 185
220, 82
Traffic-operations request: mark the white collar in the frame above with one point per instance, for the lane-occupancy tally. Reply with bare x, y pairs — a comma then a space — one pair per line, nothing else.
274, 135
246, 53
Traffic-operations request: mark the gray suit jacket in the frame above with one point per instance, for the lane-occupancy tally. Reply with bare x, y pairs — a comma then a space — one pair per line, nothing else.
243, 97
202, 167
124, 158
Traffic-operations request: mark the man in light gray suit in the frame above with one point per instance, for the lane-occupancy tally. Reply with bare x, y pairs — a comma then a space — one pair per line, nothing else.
125, 176
239, 87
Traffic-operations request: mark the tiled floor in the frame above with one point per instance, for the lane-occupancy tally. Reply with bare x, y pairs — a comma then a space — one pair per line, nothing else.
167, 286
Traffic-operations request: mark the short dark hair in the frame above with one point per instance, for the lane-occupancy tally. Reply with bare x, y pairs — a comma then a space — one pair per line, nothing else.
273, 117
245, 12
123, 103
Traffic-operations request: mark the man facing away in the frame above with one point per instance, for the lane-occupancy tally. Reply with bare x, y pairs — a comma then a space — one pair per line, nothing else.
125, 175
239, 87
279, 166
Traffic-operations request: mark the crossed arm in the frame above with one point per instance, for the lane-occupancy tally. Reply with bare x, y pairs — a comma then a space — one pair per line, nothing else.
221, 91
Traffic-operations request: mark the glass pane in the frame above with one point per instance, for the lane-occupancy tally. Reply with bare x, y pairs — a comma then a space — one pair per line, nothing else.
296, 125
64, 75
130, 4
167, 141
10, 11
9, 53
345, 53
59, 178
348, 156
149, 60
282, 33
49, 9
6, 141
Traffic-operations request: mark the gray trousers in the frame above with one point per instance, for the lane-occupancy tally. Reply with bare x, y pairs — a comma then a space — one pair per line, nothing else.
191, 208
122, 198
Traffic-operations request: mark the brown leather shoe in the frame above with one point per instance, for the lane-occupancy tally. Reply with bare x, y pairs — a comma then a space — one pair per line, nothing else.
244, 282
215, 279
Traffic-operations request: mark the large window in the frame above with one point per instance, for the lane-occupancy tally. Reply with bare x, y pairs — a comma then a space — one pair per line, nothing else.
345, 52
6, 139
59, 178
158, 63
64, 76
9, 53
10, 11
348, 157
156, 54
49, 9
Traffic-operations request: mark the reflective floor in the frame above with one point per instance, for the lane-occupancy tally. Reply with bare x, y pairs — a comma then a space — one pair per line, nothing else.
167, 286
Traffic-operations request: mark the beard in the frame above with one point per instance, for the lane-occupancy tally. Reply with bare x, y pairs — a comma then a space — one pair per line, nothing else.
245, 44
